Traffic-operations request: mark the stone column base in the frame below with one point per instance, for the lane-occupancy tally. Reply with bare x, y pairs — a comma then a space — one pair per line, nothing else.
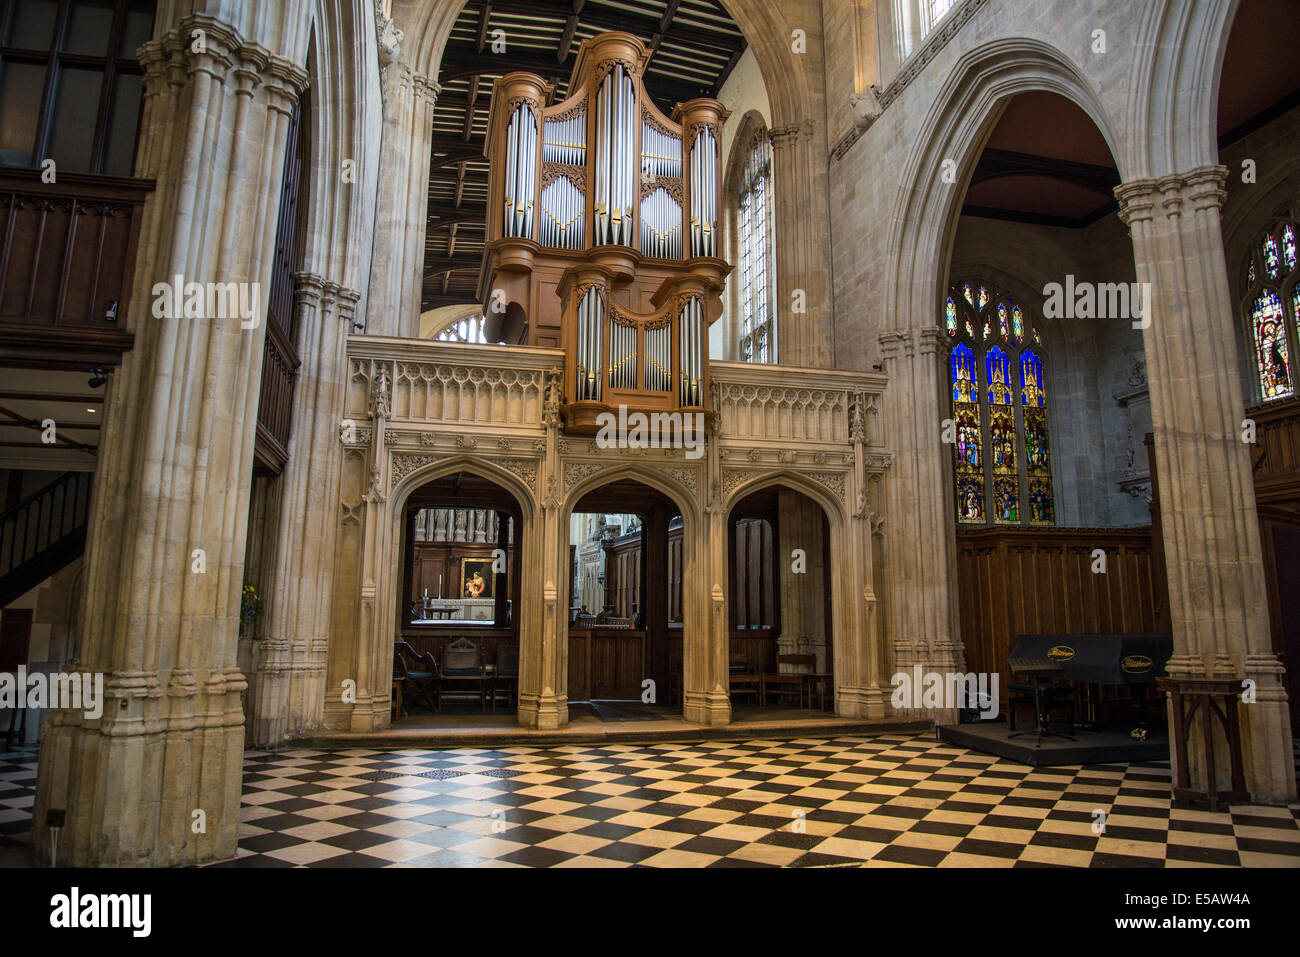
861, 703
544, 712
710, 708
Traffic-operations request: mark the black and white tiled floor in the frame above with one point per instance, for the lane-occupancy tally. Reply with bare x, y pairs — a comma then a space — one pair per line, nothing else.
888, 800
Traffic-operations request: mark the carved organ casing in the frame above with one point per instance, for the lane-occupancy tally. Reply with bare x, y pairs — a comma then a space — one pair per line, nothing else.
603, 232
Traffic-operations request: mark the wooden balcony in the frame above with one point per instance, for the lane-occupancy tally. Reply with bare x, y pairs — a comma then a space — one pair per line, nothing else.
67, 255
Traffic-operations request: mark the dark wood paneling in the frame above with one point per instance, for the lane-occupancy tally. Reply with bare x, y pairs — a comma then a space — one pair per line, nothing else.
610, 663
67, 253
1040, 581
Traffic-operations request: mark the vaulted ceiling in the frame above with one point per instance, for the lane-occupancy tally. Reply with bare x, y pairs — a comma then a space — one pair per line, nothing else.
694, 47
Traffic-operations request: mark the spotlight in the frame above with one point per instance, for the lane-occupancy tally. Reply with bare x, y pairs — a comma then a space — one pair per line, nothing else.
99, 377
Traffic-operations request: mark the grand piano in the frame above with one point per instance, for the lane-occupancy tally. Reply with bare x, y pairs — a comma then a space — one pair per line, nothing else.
1090, 660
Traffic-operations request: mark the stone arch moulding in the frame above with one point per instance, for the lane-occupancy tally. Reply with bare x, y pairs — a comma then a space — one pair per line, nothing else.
922, 591
855, 632
959, 122
389, 547
704, 702
1177, 64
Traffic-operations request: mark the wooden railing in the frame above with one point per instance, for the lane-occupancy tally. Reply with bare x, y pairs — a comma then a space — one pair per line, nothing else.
43, 532
67, 253
1041, 581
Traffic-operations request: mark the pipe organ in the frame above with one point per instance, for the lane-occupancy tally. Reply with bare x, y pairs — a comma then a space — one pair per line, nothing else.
603, 231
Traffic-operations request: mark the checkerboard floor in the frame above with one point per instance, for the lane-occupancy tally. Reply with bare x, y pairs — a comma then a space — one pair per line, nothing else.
879, 801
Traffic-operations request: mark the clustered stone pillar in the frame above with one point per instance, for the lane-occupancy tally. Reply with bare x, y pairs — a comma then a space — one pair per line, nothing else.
397, 271
803, 252
288, 684
923, 556
156, 779
1218, 605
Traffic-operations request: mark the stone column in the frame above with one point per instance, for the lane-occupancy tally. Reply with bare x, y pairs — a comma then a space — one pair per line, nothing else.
706, 697
156, 779
288, 690
544, 638
1218, 605
397, 268
922, 556
803, 255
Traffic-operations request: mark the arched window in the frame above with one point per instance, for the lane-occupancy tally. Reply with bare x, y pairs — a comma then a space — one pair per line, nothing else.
757, 339
1270, 308
934, 11
1002, 462
468, 329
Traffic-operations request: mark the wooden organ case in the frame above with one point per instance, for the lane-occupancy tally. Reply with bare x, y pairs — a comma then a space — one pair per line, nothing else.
603, 235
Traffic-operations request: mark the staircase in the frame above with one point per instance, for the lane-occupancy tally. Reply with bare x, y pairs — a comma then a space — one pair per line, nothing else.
43, 534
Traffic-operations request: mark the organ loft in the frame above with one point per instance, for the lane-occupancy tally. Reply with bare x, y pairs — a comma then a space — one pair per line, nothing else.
603, 232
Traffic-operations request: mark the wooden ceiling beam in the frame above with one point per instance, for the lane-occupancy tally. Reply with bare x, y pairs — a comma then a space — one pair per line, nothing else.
484, 17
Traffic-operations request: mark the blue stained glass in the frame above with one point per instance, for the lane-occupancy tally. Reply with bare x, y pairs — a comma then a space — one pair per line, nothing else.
951, 312
1031, 381
965, 384
998, 365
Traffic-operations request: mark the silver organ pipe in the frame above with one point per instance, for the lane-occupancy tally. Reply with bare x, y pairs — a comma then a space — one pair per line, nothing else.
566, 141
658, 359
561, 222
622, 355
521, 172
661, 225
591, 320
704, 194
661, 153
691, 325
615, 163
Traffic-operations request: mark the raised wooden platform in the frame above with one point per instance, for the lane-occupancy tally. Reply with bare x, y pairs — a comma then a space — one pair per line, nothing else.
1089, 747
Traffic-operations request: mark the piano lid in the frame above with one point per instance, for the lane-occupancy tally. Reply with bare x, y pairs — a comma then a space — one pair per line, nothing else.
1101, 659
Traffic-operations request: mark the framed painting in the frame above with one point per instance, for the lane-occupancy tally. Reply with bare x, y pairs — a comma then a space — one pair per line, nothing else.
477, 578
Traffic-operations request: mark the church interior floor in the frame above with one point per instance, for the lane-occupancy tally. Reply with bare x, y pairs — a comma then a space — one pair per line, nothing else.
882, 800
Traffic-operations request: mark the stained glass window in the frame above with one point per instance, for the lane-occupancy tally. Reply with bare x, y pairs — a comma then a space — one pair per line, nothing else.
968, 438
1272, 258
1001, 453
1270, 307
757, 277
1271, 354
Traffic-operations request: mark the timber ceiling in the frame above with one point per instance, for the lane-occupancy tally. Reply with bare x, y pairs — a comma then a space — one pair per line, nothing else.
695, 45
1046, 162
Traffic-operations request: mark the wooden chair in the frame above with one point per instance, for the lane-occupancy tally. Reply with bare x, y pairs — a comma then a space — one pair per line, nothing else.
507, 673
462, 664
822, 682
744, 677
415, 673
786, 682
